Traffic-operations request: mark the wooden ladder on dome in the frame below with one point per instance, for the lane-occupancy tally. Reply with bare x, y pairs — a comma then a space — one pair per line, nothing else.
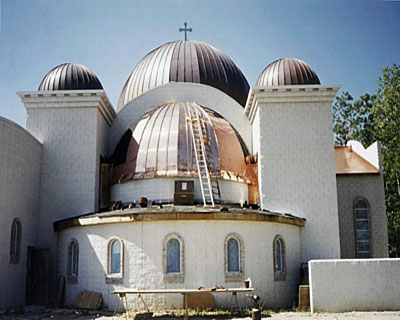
204, 159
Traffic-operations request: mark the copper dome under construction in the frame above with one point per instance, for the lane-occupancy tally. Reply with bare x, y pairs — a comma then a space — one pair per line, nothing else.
70, 76
287, 71
186, 61
161, 144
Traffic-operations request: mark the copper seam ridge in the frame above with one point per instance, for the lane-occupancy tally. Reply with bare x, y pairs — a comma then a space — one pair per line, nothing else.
202, 68
142, 82
227, 68
274, 75
153, 119
173, 69
159, 137
166, 71
194, 62
299, 71
135, 81
148, 77
68, 75
188, 63
216, 66
161, 66
286, 72
182, 65
293, 72
173, 106
204, 64
138, 83
156, 67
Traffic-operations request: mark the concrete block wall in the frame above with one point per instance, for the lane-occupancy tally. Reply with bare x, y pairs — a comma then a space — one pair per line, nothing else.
354, 285
203, 259
157, 189
67, 124
369, 187
20, 157
296, 161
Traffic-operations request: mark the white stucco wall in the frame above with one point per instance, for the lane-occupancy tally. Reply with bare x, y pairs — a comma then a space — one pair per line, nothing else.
162, 189
203, 259
20, 155
355, 285
296, 160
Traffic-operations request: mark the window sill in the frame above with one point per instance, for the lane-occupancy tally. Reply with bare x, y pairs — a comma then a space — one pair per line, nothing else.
279, 276
114, 278
174, 278
234, 276
14, 259
72, 279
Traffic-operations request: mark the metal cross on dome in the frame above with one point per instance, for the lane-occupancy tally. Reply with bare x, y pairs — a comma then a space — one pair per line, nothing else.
185, 29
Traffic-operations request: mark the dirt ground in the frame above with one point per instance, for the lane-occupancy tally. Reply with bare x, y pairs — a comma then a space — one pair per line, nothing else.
66, 314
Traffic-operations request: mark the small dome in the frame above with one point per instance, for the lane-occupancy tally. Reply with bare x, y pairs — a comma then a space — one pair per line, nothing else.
70, 76
287, 71
186, 61
161, 145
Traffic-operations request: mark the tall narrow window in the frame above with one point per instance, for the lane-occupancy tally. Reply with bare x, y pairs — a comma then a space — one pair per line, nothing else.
279, 251
173, 262
73, 258
115, 261
361, 215
15, 243
115, 257
233, 255
173, 256
278, 255
234, 263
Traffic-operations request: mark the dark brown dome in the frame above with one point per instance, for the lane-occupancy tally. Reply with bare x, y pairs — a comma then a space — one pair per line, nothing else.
70, 76
186, 61
287, 71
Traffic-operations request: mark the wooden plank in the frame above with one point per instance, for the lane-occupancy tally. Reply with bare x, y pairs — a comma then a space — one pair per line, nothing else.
179, 291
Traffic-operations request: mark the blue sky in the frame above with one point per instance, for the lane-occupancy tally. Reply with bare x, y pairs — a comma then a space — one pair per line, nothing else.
345, 42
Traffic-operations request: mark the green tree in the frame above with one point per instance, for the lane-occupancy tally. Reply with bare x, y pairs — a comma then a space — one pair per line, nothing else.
371, 118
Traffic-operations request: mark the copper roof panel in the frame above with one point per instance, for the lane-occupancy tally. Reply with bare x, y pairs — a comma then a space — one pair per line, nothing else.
161, 145
350, 162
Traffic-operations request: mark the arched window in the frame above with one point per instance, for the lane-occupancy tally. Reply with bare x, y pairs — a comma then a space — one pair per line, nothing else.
15, 243
173, 259
233, 255
173, 256
115, 261
279, 251
234, 258
73, 259
361, 216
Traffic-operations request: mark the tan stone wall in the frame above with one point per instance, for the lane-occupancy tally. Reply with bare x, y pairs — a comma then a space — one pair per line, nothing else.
369, 187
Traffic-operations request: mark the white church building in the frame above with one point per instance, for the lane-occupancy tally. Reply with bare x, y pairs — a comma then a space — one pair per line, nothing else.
195, 180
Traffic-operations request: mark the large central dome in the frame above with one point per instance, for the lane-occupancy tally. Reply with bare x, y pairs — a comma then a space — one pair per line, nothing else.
186, 61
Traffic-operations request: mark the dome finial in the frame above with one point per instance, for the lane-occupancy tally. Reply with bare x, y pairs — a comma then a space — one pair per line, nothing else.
185, 29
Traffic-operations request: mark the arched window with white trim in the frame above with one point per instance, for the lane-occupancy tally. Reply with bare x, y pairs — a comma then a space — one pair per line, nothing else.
115, 257
73, 260
173, 254
234, 262
15, 242
361, 216
279, 252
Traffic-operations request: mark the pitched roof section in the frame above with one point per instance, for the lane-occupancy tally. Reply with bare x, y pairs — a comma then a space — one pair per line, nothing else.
350, 162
